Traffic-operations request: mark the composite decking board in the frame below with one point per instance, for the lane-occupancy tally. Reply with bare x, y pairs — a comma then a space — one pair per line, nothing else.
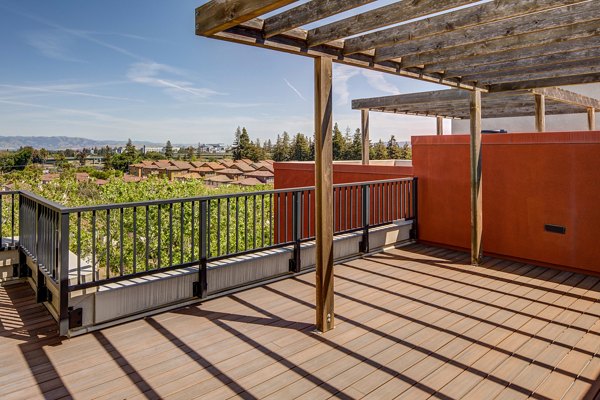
411, 322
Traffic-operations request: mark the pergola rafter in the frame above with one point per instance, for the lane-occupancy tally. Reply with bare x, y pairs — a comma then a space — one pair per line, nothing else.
496, 46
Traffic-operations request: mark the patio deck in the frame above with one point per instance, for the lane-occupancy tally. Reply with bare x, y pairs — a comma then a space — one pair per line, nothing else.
413, 323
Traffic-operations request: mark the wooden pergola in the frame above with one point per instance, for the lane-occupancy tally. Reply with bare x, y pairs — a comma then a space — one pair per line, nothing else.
454, 104
495, 46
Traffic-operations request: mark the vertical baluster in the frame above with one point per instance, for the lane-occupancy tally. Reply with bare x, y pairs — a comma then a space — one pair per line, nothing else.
159, 223
285, 227
134, 240
193, 222
245, 222
170, 234
181, 232
271, 232
262, 219
308, 215
147, 237
278, 218
237, 223
254, 222
108, 243
228, 225
79, 248
218, 227
121, 267
208, 235
94, 245
12, 219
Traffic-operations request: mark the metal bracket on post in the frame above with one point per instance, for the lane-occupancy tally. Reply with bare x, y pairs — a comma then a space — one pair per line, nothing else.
295, 262
200, 288
366, 204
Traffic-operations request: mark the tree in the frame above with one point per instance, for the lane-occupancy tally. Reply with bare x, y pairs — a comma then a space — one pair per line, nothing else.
81, 156
169, 150
281, 150
354, 149
339, 144
130, 150
300, 149
379, 151
406, 152
43, 154
393, 150
190, 154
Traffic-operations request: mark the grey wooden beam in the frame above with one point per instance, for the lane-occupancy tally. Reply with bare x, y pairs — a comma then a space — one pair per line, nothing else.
568, 97
411, 98
476, 178
458, 67
403, 10
323, 199
218, 15
546, 82
508, 43
556, 72
472, 71
449, 22
439, 124
563, 16
591, 114
308, 12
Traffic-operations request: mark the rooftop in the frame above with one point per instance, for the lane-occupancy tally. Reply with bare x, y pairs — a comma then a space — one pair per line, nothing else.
414, 322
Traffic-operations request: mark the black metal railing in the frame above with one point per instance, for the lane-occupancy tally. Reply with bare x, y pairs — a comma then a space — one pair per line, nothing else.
114, 242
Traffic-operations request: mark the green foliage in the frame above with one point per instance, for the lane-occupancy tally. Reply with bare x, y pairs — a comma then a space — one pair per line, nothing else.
300, 149
169, 150
339, 143
379, 151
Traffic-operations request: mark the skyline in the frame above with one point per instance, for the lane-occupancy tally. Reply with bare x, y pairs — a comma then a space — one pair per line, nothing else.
111, 71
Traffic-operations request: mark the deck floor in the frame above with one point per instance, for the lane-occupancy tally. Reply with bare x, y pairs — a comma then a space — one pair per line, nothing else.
412, 323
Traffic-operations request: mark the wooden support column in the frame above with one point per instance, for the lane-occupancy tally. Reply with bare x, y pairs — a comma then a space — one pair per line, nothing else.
476, 193
364, 119
440, 125
324, 193
540, 113
591, 112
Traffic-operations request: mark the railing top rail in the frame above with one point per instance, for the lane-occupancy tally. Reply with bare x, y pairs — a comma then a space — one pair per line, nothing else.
6, 192
60, 208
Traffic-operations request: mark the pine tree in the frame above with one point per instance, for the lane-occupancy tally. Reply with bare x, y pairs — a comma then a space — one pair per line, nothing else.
339, 144
406, 152
393, 150
169, 150
379, 151
129, 150
300, 150
355, 149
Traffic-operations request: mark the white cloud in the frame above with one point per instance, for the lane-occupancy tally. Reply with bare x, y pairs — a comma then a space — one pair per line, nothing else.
341, 76
55, 45
18, 91
168, 78
377, 81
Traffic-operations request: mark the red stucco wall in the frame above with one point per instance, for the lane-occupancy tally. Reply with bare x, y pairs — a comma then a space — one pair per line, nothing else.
529, 180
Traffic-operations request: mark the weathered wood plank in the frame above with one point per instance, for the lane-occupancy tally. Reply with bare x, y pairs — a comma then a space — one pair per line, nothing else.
524, 41
476, 178
394, 13
218, 15
470, 72
411, 98
448, 22
546, 82
306, 13
576, 68
439, 125
458, 67
324, 201
366, 143
568, 97
540, 112
563, 16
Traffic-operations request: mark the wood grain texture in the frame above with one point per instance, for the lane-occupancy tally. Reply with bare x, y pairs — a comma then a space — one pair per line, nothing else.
476, 178
366, 141
540, 112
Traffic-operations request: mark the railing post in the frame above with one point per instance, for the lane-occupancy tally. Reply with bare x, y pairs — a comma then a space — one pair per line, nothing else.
366, 207
414, 233
201, 287
63, 268
295, 262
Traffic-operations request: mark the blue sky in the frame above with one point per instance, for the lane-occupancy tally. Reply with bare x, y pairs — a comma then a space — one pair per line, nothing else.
118, 69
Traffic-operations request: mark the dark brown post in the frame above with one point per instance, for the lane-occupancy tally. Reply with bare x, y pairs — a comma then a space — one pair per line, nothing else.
324, 193
476, 194
540, 113
364, 114
440, 125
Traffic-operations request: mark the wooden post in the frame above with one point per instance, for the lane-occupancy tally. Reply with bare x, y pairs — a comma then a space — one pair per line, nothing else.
476, 193
324, 193
364, 119
591, 112
540, 113
440, 125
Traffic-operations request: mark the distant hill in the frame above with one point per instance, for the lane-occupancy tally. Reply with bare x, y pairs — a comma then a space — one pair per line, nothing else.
65, 142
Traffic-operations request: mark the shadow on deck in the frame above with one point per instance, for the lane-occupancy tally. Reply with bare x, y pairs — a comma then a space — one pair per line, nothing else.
415, 322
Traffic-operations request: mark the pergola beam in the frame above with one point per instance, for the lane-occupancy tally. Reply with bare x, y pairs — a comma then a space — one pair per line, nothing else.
577, 68
217, 16
308, 12
449, 22
403, 10
546, 82
439, 122
562, 16
507, 43
591, 114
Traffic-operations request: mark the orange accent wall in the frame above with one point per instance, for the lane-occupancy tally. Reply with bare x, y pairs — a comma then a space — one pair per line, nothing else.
529, 180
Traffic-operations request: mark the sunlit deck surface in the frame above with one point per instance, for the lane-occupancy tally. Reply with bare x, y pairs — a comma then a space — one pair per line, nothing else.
412, 323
